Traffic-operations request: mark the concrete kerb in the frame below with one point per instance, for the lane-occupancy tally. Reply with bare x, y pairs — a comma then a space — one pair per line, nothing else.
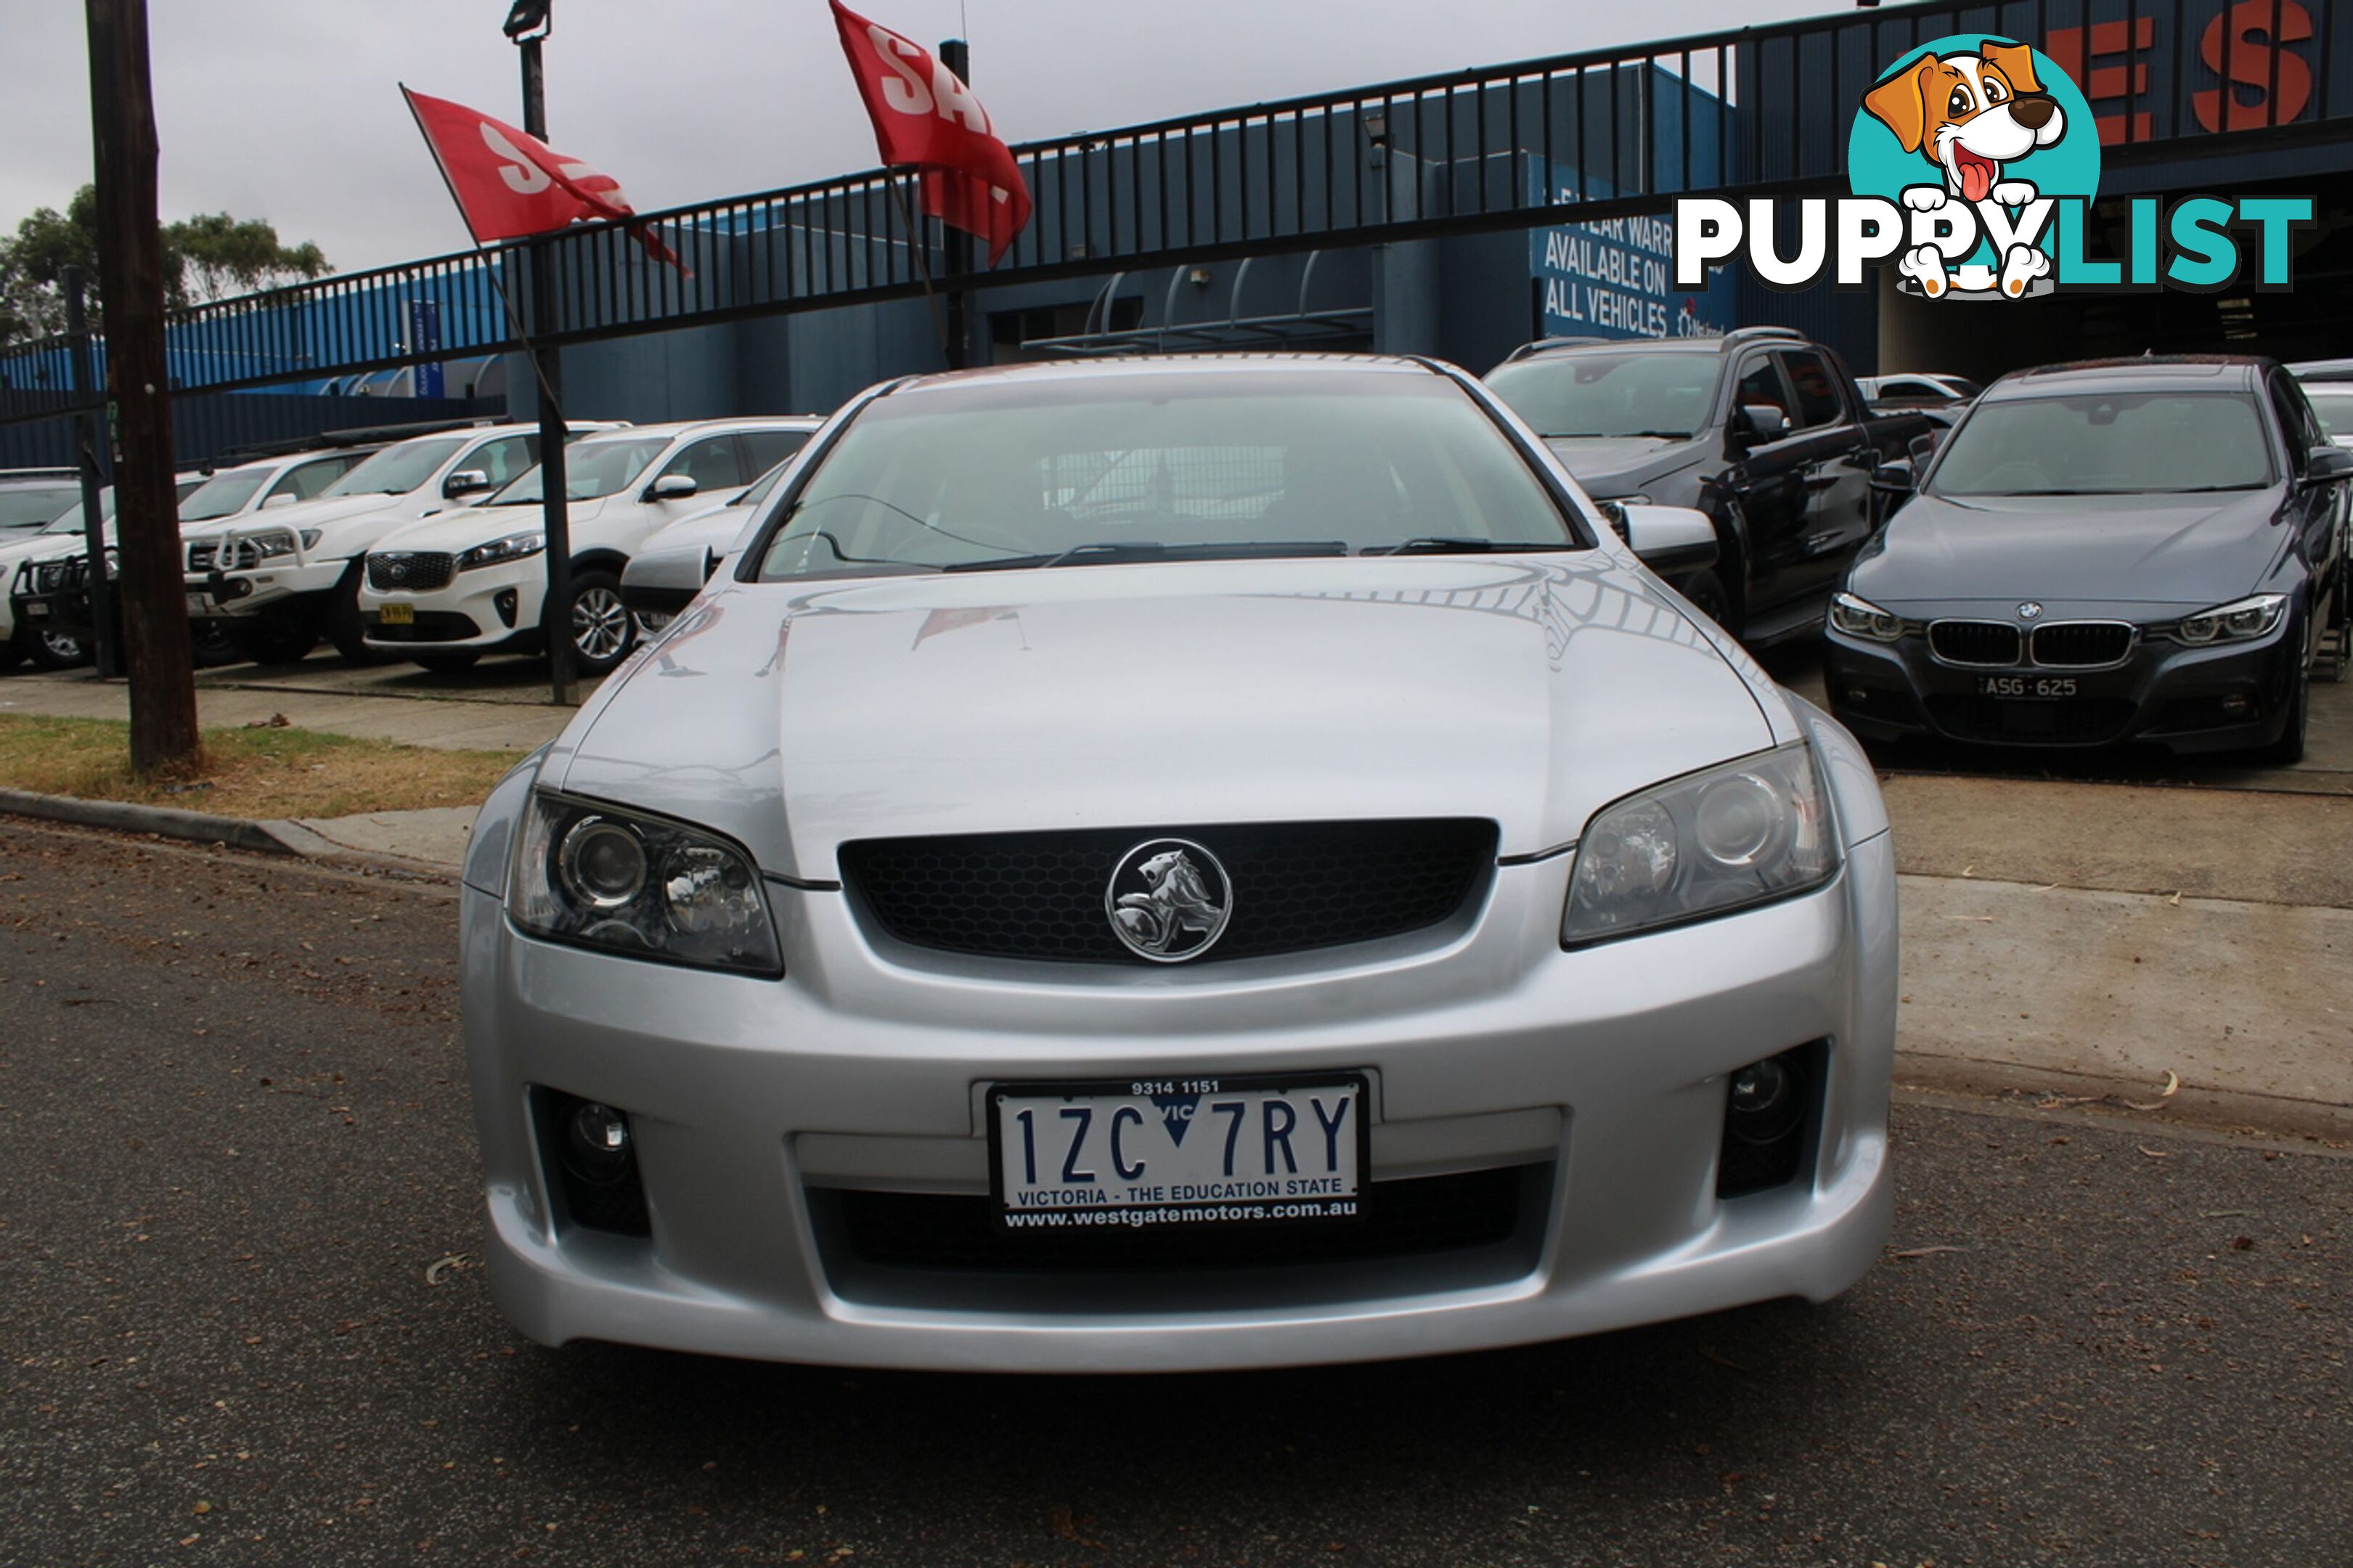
277, 837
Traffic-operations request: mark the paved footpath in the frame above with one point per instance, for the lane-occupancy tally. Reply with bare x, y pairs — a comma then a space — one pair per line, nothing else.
475, 720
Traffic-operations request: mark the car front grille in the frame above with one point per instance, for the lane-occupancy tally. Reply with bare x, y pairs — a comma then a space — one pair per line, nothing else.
201, 555
61, 576
2081, 645
410, 571
1974, 642
1295, 885
1416, 1217
2076, 722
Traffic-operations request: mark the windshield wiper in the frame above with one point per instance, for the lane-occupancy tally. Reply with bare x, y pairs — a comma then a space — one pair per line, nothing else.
1113, 551
1435, 545
1617, 435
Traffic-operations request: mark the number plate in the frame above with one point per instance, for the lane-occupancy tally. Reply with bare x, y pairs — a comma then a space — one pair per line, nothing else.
34, 607
1177, 1150
396, 615
2031, 688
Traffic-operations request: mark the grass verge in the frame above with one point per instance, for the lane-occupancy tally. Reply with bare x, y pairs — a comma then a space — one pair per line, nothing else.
262, 773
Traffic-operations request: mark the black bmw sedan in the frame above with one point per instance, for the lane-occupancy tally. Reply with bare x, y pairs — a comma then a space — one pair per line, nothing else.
2149, 550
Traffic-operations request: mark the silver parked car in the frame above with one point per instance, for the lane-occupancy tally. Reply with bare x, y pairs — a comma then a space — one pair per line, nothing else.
1179, 864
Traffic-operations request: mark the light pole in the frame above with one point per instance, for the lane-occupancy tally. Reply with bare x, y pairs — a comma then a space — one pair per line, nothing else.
528, 25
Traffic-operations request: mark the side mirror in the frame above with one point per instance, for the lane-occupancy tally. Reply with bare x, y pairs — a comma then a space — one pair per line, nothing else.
466, 482
1758, 422
671, 487
274, 502
1670, 540
1895, 478
1924, 447
664, 581
2327, 465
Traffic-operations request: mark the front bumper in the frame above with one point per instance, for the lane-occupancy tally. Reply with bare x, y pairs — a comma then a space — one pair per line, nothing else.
762, 1107
65, 612
2188, 699
236, 595
488, 607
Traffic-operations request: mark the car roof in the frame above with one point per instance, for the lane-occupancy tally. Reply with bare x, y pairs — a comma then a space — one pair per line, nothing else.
1106, 367
2322, 370
676, 428
2187, 372
1740, 337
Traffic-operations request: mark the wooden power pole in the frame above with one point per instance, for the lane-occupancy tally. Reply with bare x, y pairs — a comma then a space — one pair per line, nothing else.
159, 657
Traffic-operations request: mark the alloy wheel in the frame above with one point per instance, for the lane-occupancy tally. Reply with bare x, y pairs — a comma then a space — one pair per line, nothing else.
600, 624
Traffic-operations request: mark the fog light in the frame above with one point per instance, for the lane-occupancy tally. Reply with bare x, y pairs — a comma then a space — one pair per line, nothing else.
598, 1140
1768, 1105
503, 601
2237, 707
1857, 695
1764, 1106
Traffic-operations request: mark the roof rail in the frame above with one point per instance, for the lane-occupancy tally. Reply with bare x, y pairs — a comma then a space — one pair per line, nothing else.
1750, 335
1547, 345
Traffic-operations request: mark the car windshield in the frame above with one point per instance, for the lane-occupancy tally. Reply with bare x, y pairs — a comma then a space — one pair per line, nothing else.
2335, 406
28, 506
396, 471
2108, 443
1165, 465
591, 469
224, 494
767, 482
1572, 395
69, 520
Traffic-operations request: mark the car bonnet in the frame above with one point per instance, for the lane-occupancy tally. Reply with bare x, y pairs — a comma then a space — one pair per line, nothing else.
796, 717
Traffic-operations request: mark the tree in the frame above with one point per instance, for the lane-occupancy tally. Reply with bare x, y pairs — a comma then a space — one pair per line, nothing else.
213, 255
207, 257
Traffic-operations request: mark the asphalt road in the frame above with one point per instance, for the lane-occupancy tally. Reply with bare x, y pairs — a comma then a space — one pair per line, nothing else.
235, 1136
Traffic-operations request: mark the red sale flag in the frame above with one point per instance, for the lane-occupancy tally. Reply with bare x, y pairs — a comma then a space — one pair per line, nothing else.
925, 117
508, 182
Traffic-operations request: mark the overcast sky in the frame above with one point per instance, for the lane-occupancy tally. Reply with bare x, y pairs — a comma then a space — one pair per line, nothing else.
288, 110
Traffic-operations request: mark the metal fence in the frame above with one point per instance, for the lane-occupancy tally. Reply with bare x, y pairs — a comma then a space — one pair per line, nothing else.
206, 430
1755, 112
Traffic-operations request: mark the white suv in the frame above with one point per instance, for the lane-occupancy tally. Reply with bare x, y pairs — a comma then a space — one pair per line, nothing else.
46, 587
275, 584
448, 590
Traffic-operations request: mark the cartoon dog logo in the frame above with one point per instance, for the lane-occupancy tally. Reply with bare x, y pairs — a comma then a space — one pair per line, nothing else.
1969, 115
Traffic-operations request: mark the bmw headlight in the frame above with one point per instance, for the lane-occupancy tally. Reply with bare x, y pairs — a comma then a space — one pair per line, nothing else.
513, 547
2239, 621
588, 874
1859, 617
1702, 844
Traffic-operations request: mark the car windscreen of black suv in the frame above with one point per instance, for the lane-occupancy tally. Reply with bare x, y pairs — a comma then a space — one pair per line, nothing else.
2109, 443
1565, 397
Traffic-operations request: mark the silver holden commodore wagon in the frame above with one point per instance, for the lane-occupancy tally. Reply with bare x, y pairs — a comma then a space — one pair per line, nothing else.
1152, 865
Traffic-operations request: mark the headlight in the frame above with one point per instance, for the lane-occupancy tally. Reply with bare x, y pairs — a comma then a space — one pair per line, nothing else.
513, 547
1861, 618
2234, 622
588, 874
1702, 844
